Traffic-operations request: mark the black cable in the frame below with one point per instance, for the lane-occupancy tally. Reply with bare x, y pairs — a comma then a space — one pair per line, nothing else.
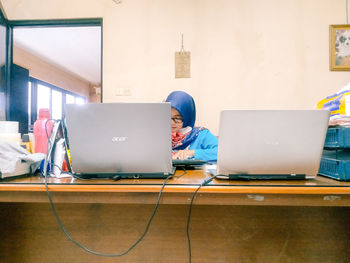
63, 228
189, 217
62, 172
184, 172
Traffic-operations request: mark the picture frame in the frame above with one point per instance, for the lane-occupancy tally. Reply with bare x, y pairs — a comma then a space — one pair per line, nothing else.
339, 48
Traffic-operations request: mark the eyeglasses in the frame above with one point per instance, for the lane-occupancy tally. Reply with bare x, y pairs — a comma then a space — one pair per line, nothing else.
177, 120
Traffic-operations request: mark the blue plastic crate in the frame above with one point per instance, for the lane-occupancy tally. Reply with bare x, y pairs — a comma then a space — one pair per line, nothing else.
336, 164
337, 137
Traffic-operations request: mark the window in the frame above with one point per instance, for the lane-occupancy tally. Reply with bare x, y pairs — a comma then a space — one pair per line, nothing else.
45, 95
70, 99
14, 102
56, 104
79, 101
43, 98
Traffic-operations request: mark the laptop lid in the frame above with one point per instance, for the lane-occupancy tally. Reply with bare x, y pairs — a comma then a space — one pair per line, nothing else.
113, 138
271, 142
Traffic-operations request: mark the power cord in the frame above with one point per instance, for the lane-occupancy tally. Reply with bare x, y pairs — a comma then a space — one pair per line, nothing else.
64, 230
189, 217
184, 172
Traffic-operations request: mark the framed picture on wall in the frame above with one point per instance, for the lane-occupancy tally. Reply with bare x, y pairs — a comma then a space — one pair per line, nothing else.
339, 48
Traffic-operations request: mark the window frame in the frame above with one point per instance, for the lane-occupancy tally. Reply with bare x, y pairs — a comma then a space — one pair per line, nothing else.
47, 23
11, 24
8, 60
34, 103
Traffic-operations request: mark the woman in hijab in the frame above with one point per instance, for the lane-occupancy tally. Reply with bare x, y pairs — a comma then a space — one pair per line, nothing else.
189, 141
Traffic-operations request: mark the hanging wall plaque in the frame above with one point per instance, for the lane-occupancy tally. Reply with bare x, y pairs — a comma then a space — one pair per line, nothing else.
182, 63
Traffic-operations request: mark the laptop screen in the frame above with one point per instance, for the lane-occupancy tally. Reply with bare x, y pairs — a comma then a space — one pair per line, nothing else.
119, 137
271, 141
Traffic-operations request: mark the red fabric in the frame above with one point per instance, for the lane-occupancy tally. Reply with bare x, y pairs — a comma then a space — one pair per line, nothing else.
177, 138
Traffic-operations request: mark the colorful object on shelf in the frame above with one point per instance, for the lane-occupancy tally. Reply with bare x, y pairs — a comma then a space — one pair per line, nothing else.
337, 104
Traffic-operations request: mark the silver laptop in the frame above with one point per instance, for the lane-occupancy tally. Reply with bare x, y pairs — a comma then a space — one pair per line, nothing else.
120, 140
271, 144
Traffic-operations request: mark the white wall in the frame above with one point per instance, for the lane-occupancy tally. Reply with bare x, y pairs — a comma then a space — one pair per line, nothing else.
245, 53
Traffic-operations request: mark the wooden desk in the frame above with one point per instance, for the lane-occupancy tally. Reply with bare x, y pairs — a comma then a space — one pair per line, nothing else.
281, 221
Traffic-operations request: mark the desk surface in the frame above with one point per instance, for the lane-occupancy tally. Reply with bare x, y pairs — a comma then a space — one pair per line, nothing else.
256, 221
320, 191
183, 180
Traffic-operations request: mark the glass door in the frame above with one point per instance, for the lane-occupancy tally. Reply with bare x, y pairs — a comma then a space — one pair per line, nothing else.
4, 63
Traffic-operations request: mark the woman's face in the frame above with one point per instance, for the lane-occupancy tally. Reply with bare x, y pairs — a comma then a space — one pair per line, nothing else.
176, 120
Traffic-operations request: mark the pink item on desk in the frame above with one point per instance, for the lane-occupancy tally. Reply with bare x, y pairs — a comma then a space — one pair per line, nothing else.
40, 134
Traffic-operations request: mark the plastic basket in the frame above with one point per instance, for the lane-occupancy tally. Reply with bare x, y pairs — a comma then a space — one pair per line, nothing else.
336, 164
337, 137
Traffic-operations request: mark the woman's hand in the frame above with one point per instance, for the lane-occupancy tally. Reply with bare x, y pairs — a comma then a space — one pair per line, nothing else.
183, 154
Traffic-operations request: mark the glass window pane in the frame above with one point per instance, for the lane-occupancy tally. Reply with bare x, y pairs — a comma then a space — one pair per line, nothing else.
70, 99
43, 97
56, 105
2, 55
79, 101
29, 102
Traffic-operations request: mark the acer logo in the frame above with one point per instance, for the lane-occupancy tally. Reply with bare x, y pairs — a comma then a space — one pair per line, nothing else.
119, 139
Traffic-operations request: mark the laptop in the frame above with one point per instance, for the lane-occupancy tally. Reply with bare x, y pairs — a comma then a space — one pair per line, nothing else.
188, 163
270, 144
120, 140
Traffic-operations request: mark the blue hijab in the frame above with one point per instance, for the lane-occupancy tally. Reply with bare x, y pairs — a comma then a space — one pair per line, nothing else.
184, 104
